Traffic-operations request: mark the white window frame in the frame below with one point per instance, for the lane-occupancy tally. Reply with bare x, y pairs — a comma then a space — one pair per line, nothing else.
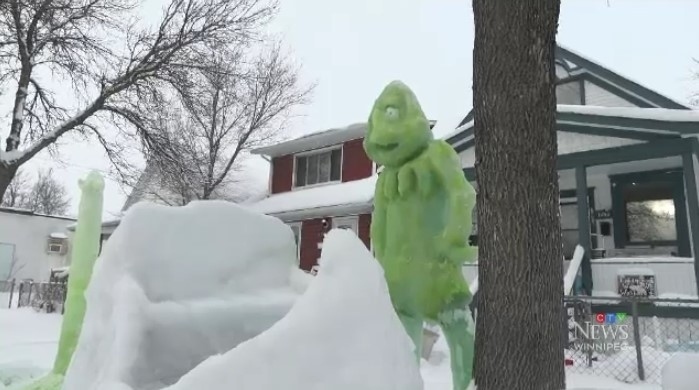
299, 225
347, 220
58, 242
310, 153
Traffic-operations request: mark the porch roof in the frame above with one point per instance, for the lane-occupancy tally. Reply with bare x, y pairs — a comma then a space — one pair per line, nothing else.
325, 200
622, 122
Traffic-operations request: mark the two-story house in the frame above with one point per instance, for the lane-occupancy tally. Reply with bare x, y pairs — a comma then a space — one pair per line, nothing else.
318, 182
628, 166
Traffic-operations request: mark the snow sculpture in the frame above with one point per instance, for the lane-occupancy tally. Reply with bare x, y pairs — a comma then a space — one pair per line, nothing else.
421, 224
84, 253
342, 334
176, 285
680, 372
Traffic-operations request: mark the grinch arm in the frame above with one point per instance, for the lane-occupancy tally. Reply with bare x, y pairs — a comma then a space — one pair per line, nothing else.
445, 163
378, 218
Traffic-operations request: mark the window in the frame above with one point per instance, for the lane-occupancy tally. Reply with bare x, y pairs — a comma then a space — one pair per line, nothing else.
56, 245
650, 212
569, 93
319, 167
296, 228
350, 223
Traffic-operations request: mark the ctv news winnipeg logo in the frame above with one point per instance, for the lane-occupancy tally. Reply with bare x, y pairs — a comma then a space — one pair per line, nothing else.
607, 333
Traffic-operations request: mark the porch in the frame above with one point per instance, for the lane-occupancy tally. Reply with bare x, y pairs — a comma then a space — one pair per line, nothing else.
633, 207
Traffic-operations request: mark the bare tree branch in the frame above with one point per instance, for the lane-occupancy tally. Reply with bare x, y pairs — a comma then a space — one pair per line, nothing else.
94, 50
197, 142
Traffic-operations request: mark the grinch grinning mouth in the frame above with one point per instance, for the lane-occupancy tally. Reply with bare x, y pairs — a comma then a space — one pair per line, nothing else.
387, 147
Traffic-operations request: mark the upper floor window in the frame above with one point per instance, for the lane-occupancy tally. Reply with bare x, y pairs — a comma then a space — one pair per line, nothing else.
569, 93
318, 167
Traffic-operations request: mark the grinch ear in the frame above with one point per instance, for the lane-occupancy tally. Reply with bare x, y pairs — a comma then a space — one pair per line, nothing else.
81, 183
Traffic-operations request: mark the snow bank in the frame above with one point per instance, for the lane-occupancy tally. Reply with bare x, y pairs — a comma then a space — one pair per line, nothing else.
342, 334
680, 372
174, 286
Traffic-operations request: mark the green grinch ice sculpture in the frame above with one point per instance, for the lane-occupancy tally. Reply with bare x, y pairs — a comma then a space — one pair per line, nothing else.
421, 224
84, 253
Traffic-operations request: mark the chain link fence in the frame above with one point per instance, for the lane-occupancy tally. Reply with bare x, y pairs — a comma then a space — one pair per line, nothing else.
628, 339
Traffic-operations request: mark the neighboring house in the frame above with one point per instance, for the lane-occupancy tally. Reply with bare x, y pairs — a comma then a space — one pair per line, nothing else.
32, 244
627, 162
628, 178
318, 182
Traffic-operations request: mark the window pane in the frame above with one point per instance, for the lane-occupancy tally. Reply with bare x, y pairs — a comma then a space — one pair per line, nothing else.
324, 167
651, 220
335, 164
300, 171
568, 93
312, 170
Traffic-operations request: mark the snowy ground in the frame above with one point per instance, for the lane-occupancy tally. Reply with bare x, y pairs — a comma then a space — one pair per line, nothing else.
28, 342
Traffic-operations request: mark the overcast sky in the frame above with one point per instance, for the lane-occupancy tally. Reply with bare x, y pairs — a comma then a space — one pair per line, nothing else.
352, 48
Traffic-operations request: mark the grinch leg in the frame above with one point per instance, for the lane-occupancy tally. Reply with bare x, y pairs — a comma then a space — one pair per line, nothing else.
458, 327
413, 325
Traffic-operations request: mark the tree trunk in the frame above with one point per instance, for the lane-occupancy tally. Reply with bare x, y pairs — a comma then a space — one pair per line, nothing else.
519, 343
7, 173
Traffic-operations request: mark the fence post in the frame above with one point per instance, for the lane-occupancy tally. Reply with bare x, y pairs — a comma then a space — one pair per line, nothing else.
29, 297
637, 340
19, 294
12, 290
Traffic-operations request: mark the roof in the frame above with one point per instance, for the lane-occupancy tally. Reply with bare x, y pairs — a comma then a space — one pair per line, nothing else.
321, 200
579, 65
641, 92
623, 122
106, 224
14, 210
314, 140
317, 140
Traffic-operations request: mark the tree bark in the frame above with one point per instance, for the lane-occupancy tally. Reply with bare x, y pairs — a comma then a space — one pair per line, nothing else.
519, 343
7, 173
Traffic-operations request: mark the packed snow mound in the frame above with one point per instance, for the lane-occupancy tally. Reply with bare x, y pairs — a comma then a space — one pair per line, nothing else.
175, 285
680, 372
342, 334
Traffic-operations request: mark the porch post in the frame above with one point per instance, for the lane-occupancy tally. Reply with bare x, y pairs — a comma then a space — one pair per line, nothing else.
584, 226
690, 183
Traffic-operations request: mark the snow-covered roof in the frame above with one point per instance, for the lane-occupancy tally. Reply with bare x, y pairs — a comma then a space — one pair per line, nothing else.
592, 66
320, 199
106, 224
658, 114
58, 235
314, 140
317, 140
21, 211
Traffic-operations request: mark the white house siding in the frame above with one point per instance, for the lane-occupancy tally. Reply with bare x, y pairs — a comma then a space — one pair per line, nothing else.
29, 234
574, 142
598, 96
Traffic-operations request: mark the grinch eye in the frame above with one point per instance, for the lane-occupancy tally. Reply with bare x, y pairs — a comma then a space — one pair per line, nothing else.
391, 112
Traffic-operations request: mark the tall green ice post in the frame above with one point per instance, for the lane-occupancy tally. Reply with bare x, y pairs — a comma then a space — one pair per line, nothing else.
421, 223
85, 250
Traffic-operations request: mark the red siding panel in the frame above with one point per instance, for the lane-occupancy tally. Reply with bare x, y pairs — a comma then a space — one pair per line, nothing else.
312, 232
364, 229
355, 163
282, 173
